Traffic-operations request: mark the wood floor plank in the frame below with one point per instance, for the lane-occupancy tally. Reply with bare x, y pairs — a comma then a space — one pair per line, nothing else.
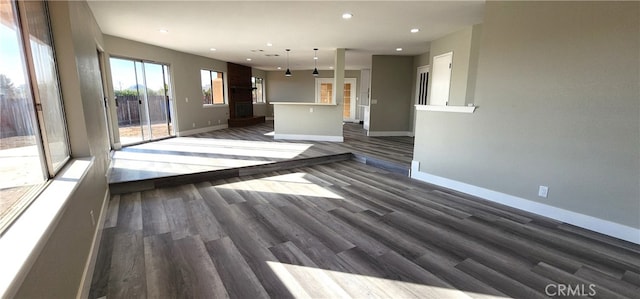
205, 222
162, 272
154, 218
325, 234
583, 284
130, 212
198, 271
112, 212
616, 285
238, 278
497, 280
316, 282
256, 255
100, 280
179, 222
127, 274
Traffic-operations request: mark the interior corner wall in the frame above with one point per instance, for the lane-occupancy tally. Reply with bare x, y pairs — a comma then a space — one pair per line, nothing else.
459, 43
558, 96
184, 72
391, 82
58, 269
418, 61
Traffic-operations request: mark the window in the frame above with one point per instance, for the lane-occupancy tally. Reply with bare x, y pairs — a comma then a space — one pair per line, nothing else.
258, 89
33, 135
212, 87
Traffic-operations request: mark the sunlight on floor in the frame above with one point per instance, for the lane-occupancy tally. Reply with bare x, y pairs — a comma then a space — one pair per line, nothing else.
292, 184
314, 282
247, 148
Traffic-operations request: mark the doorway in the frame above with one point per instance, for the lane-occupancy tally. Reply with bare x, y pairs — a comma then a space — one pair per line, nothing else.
142, 100
324, 94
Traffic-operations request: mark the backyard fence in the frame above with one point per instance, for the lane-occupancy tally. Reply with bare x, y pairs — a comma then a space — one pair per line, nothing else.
15, 117
128, 109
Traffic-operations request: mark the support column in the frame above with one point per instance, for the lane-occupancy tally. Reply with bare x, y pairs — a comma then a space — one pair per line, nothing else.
338, 79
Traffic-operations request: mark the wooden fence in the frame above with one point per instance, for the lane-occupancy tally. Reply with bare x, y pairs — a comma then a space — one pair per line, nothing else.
15, 117
128, 109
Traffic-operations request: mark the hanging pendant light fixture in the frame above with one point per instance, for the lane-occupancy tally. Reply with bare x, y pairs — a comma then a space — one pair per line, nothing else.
288, 72
315, 62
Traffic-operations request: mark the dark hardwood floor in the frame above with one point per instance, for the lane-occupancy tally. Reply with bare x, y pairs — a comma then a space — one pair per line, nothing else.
346, 229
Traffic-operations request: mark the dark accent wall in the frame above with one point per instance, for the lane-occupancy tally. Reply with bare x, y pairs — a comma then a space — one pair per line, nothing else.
239, 80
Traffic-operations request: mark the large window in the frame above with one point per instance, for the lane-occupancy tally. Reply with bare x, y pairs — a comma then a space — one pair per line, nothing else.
33, 136
212, 87
258, 89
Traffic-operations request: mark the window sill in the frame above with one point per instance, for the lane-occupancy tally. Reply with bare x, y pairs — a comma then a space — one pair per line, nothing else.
207, 106
22, 242
458, 109
260, 103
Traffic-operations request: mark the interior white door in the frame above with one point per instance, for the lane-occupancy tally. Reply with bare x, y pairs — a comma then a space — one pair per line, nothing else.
441, 79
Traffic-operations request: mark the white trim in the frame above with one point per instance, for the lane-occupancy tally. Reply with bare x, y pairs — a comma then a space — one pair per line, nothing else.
201, 130
389, 133
602, 226
309, 137
117, 146
459, 109
87, 275
23, 241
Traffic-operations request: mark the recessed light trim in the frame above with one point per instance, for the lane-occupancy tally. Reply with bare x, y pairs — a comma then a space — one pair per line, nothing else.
279, 67
213, 49
399, 49
415, 30
163, 30
347, 15
248, 59
269, 45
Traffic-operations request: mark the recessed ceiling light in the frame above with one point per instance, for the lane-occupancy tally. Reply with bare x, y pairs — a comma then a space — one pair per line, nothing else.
163, 30
269, 44
330, 67
415, 30
398, 49
347, 15
279, 67
213, 49
248, 59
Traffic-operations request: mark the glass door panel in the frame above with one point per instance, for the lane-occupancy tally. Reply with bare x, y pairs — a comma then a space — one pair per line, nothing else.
142, 96
156, 99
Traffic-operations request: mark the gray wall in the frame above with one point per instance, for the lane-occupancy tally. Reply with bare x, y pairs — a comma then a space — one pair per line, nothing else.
185, 74
57, 271
391, 81
465, 58
558, 95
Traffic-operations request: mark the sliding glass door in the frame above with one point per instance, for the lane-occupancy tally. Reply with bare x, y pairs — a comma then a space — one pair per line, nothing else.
142, 100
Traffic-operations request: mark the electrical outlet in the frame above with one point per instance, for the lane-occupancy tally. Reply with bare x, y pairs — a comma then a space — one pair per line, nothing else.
209, 122
186, 100
93, 219
193, 125
219, 121
311, 110
543, 191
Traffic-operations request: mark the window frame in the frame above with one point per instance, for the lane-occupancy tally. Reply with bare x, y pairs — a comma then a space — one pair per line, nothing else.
49, 167
224, 92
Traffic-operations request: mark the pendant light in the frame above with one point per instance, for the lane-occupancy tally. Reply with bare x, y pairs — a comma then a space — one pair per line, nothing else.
315, 62
288, 72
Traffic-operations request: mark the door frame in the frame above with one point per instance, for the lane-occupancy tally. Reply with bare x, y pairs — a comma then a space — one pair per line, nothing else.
354, 95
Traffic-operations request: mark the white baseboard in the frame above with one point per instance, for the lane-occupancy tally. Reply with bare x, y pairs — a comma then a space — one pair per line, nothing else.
309, 137
201, 130
388, 133
602, 226
87, 275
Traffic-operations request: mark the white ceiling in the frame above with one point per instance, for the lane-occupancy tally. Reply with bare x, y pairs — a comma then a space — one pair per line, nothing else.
241, 29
